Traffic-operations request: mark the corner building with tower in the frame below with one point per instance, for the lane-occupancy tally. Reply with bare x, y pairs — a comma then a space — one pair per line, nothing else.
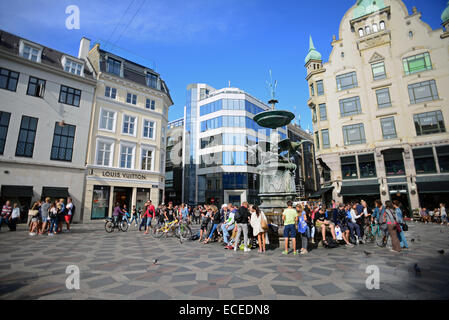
380, 107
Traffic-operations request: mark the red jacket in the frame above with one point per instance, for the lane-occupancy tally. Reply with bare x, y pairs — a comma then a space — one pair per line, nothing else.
150, 212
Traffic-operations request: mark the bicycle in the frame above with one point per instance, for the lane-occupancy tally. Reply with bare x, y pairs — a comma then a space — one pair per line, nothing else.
110, 225
158, 232
380, 236
183, 230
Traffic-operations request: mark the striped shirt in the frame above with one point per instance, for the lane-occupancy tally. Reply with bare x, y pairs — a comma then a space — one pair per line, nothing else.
6, 210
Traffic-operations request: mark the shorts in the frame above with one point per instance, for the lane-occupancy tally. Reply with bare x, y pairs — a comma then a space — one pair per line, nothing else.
67, 218
204, 227
328, 223
290, 231
34, 219
344, 228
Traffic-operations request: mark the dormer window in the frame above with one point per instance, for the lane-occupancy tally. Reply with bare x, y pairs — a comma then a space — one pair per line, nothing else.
382, 25
152, 80
361, 32
73, 66
30, 52
114, 66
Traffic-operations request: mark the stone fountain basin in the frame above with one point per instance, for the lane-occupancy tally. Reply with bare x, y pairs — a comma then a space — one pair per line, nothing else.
274, 119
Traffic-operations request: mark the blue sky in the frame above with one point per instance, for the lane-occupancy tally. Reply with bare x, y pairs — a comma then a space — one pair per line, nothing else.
210, 41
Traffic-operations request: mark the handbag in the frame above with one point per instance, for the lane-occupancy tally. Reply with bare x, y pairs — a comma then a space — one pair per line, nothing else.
33, 213
404, 227
264, 224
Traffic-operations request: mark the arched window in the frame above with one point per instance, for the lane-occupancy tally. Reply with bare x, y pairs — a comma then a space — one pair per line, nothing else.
375, 28
361, 32
382, 25
367, 30
410, 34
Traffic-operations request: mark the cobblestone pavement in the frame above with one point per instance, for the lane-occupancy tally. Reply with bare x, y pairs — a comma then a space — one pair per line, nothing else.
120, 266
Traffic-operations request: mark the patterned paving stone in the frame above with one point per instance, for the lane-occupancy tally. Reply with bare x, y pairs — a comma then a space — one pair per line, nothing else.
244, 292
94, 284
125, 289
288, 290
327, 289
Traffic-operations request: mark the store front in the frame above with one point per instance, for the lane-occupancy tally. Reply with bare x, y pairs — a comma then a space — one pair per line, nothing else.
18, 194
399, 192
143, 195
100, 202
55, 193
122, 195
358, 192
432, 193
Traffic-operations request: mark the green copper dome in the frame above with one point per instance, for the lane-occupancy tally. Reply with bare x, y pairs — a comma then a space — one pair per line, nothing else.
445, 14
313, 54
365, 7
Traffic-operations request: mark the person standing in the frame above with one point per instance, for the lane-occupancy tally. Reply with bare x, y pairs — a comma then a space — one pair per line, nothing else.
61, 214
133, 216
149, 214
302, 228
14, 218
69, 212
117, 212
257, 217
44, 214
6, 212
400, 221
290, 217
443, 213
228, 225
390, 219
242, 219
53, 214
215, 223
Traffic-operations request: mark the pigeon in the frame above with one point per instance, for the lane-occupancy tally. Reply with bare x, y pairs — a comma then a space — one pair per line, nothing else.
417, 270
412, 240
366, 252
155, 261
441, 251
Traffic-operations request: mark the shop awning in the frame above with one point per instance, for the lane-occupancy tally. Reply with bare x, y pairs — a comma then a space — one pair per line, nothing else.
320, 192
433, 187
368, 189
17, 191
55, 192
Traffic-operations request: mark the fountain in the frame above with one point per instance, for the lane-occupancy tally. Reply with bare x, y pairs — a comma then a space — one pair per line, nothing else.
277, 179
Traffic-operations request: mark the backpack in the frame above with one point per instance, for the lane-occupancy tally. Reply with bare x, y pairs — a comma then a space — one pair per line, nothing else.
194, 237
331, 243
238, 216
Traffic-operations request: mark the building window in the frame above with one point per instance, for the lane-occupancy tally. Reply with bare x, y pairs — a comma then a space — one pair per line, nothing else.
27, 135
323, 114
367, 30
417, 63
148, 129
107, 120
394, 163
126, 156
378, 70
382, 25
348, 167
104, 153
150, 104
410, 34
8, 79
443, 157
317, 140
350, 106
110, 92
312, 90
422, 91
131, 98
147, 159
383, 98
73, 67
152, 80
70, 96
234, 158
325, 138
354, 134
361, 32
320, 87
114, 66
30, 53
429, 123
367, 165
36, 87
63, 139
4, 125
375, 29
314, 116
347, 81
424, 160
129, 124
388, 128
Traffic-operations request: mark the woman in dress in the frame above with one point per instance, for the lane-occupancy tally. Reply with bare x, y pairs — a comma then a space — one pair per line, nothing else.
257, 217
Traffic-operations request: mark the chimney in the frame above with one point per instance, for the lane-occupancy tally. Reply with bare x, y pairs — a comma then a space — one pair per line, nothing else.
84, 48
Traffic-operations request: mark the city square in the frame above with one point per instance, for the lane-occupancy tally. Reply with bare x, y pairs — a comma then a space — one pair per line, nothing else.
120, 266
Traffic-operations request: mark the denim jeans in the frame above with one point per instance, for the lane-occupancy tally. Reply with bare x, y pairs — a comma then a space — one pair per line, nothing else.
310, 232
403, 241
241, 227
149, 219
214, 227
355, 226
53, 223
134, 218
143, 223
225, 232
304, 240
3, 219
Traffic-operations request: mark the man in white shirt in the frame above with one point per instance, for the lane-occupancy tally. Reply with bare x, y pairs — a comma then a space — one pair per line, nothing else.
354, 225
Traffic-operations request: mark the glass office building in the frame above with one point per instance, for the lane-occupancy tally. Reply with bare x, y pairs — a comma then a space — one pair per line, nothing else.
219, 130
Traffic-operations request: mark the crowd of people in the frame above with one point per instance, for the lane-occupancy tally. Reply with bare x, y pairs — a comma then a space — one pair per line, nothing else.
437, 215
44, 217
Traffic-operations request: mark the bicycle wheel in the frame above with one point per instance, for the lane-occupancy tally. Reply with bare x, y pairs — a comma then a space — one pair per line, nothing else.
109, 226
184, 232
381, 238
157, 232
124, 226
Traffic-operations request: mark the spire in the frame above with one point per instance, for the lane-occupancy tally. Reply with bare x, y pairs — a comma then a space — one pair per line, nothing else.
313, 53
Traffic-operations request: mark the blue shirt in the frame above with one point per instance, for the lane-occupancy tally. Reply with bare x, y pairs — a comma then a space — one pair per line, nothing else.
185, 212
399, 215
